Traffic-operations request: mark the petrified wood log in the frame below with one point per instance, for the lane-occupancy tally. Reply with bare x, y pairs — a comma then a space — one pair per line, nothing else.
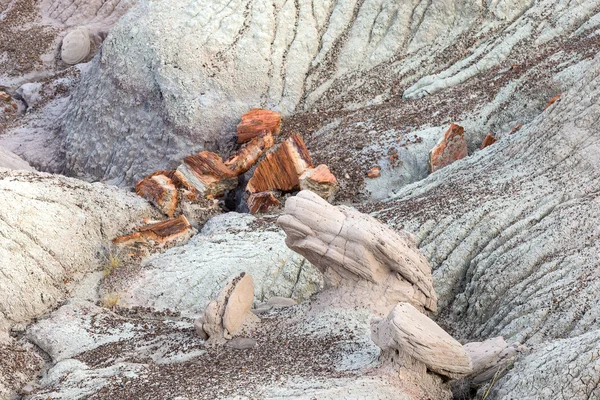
162, 233
281, 169
321, 181
451, 147
350, 247
160, 190
488, 141
207, 174
257, 121
249, 154
406, 330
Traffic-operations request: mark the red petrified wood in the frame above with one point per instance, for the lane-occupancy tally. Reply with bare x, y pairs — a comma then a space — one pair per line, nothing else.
553, 100
207, 173
281, 169
319, 180
488, 141
262, 202
160, 190
249, 154
256, 121
161, 232
450, 148
374, 172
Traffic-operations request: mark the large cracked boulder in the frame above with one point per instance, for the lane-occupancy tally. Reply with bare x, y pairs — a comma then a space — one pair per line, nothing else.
358, 253
54, 230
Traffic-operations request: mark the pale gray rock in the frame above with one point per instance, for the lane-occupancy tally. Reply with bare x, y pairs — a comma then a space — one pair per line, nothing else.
186, 278
349, 248
75, 46
406, 330
277, 302
30, 93
242, 343
10, 160
490, 357
40, 215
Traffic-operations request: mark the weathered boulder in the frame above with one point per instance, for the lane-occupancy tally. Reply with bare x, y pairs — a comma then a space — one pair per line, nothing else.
75, 46
256, 122
406, 330
355, 250
451, 147
243, 159
207, 173
160, 190
281, 169
54, 230
262, 202
320, 181
490, 357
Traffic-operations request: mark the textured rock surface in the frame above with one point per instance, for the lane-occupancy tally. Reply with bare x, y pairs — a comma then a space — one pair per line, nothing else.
187, 277
409, 331
451, 147
490, 357
528, 200
96, 14
40, 215
354, 250
282, 168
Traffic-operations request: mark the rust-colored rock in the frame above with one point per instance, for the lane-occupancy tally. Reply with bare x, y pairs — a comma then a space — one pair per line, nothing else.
257, 121
452, 147
488, 141
5, 97
374, 172
281, 169
262, 202
162, 233
515, 129
553, 100
319, 180
160, 190
207, 174
249, 154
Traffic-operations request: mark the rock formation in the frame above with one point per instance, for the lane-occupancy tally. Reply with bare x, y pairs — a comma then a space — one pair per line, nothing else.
451, 147
226, 315
262, 202
355, 250
321, 181
160, 190
407, 331
256, 122
281, 169
75, 46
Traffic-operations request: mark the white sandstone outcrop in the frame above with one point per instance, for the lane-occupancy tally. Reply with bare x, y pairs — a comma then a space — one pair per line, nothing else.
358, 253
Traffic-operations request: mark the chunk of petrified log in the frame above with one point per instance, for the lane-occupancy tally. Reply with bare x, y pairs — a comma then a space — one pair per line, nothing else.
257, 121
249, 154
262, 202
490, 356
488, 141
319, 180
281, 169
162, 233
451, 147
207, 173
409, 331
349, 247
553, 100
160, 190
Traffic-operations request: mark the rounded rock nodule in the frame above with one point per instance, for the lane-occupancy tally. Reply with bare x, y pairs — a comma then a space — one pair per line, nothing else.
75, 46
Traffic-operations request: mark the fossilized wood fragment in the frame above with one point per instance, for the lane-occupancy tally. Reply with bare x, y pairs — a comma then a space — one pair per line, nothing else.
5, 97
451, 147
374, 172
75, 46
207, 174
162, 233
257, 121
488, 141
262, 202
281, 169
490, 356
553, 100
407, 330
321, 181
348, 246
161, 191
249, 154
